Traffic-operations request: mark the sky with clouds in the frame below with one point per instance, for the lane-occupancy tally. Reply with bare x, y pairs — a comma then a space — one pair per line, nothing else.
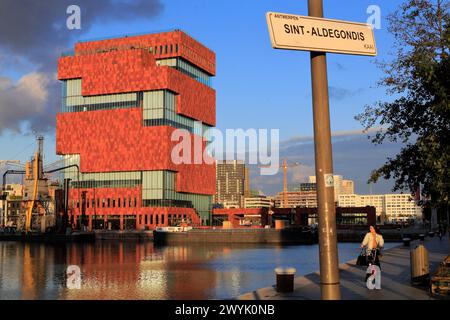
257, 86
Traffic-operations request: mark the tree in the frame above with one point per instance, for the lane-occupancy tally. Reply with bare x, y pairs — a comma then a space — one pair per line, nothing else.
418, 79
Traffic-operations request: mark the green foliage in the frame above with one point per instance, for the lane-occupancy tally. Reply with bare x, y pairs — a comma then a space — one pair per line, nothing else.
419, 115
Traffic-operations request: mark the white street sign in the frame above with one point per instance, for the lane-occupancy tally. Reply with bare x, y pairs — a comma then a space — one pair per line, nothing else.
294, 32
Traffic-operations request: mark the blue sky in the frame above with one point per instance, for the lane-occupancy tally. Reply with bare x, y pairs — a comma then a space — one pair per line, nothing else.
257, 86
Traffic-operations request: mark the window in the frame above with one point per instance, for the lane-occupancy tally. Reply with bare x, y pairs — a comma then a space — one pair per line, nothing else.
176, 48
109, 202
151, 219
171, 48
157, 219
124, 202
166, 49
74, 101
118, 202
145, 219
187, 68
162, 219
160, 49
113, 203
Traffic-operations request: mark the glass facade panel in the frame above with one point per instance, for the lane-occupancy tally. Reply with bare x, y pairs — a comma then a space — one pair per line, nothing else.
73, 101
159, 108
187, 68
158, 190
125, 179
158, 187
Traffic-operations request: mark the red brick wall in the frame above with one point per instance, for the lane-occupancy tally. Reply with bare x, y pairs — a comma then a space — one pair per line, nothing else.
115, 140
188, 48
136, 70
114, 193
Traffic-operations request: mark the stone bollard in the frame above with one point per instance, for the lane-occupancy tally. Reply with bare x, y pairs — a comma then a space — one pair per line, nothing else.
280, 224
420, 266
422, 237
431, 234
285, 279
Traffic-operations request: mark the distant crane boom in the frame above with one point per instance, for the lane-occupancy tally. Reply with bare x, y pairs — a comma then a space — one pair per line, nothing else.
285, 166
10, 172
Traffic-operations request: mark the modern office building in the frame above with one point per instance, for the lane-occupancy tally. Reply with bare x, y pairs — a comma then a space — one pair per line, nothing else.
232, 183
258, 202
304, 199
305, 194
304, 186
341, 186
401, 207
347, 187
123, 103
389, 207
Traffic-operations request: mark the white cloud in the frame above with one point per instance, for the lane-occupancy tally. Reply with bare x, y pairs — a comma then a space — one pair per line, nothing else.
335, 134
301, 173
23, 100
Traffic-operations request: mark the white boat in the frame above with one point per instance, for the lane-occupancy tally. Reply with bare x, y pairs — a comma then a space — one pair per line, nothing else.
173, 229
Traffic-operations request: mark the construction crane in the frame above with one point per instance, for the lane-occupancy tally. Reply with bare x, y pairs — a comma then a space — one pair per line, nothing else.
35, 165
285, 166
36, 184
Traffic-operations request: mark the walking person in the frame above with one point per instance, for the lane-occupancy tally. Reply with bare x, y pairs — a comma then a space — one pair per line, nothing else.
374, 242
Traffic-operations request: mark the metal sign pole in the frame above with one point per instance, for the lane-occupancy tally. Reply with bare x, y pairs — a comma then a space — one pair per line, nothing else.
328, 253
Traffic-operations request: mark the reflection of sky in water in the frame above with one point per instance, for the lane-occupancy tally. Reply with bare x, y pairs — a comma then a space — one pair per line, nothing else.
255, 267
132, 270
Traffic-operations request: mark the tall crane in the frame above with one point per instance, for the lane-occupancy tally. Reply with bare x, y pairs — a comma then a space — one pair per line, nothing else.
285, 166
36, 185
35, 175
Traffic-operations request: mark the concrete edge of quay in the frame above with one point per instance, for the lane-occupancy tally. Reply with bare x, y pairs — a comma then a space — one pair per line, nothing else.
255, 235
396, 281
140, 235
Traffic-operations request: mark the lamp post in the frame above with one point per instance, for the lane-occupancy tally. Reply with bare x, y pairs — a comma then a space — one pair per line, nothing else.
328, 254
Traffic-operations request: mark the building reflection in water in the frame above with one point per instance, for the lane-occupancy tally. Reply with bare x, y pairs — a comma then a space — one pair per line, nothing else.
27, 271
127, 270
132, 270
